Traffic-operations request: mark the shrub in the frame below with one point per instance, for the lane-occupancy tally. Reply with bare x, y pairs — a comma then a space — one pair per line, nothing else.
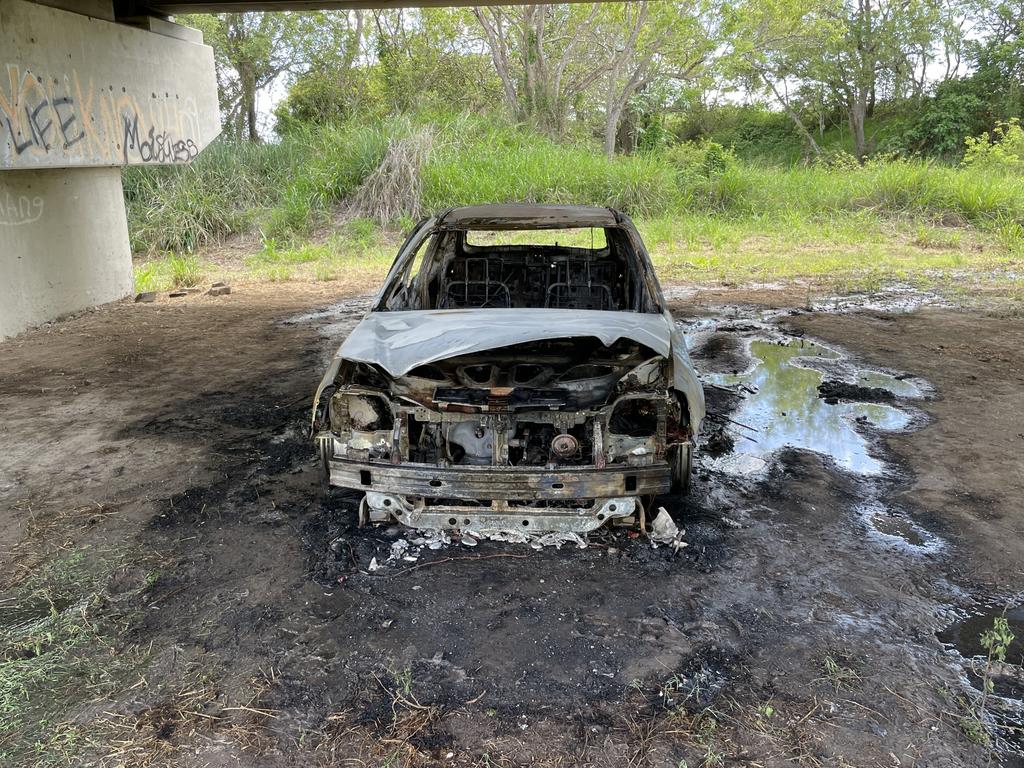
1004, 152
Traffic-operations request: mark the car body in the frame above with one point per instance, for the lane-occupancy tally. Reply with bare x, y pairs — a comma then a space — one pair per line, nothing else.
497, 386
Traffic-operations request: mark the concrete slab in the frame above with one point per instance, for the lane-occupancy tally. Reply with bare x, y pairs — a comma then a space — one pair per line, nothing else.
77, 91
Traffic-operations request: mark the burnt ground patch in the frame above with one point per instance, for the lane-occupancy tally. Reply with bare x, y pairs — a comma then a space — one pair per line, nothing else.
782, 632
833, 390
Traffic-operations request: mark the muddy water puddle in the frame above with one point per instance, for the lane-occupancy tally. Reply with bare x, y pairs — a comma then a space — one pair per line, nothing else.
965, 635
896, 529
1005, 680
783, 408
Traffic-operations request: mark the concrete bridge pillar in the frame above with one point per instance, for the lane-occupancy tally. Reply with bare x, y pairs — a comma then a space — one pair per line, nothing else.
63, 243
80, 97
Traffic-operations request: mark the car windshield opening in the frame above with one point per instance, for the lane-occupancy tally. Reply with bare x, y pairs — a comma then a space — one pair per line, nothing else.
588, 268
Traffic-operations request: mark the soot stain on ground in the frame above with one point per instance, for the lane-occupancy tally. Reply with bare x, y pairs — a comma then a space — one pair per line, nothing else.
783, 615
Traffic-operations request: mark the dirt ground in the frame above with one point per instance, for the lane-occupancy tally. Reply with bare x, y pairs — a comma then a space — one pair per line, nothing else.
154, 455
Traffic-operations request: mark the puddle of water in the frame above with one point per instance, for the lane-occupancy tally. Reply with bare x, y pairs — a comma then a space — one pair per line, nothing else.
1005, 718
898, 530
965, 635
782, 409
899, 387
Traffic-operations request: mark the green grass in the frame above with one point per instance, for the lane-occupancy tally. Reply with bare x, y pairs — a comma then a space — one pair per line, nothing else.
705, 214
58, 650
358, 250
169, 272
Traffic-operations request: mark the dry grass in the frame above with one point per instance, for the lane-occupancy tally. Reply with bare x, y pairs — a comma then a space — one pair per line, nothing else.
391, 741
196, 711
395, 188
48, 532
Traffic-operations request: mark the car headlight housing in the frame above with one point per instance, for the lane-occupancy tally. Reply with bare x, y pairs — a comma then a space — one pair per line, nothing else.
360, 412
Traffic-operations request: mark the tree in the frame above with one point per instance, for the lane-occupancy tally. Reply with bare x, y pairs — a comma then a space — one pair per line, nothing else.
845, 50
546, 56
767, 40
646, 42
252, 50
878, 44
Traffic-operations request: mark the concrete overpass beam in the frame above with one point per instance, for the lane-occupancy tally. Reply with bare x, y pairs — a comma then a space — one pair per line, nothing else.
81, 97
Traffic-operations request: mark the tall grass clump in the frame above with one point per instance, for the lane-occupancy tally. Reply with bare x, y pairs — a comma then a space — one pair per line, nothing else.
168, 272
180, 208
339, 159
480, 161
280, 188
395, 188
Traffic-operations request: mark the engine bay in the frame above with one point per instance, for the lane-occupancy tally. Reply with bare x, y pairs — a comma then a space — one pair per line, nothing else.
549, 403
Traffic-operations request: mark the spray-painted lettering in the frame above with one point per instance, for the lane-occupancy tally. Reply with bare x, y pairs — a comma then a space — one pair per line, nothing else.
68, 118
157, 147
19, 209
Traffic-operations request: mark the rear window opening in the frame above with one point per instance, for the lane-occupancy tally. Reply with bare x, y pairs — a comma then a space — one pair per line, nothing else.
592, 238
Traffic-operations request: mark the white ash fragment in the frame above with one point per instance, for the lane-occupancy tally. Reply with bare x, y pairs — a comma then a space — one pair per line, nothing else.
556, 540
665, 531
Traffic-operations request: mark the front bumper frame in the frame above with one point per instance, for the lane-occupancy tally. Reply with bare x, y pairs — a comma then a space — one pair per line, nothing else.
473, 483
487, 498
498, 515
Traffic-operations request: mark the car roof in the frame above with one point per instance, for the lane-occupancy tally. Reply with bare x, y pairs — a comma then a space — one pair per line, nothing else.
527, 216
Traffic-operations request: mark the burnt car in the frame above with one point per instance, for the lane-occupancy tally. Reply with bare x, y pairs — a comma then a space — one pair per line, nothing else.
518, 370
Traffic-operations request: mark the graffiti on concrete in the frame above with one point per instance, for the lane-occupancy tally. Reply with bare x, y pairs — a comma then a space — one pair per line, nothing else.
155, 147
73, 119
19, 209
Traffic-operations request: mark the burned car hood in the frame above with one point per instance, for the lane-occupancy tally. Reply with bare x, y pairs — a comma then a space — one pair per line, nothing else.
401, 341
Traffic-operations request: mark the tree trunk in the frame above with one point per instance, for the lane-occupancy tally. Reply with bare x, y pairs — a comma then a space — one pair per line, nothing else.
247, 83
611, 129
858, 110
627, 138
254, 134
808, 137
495, 32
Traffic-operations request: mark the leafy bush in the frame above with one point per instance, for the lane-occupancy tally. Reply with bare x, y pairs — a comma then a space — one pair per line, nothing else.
944, 123
753, 132
1004, 152
706, 159
837, 160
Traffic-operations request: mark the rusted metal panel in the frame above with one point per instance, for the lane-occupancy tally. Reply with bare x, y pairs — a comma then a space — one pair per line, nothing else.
520, 216
491, 482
